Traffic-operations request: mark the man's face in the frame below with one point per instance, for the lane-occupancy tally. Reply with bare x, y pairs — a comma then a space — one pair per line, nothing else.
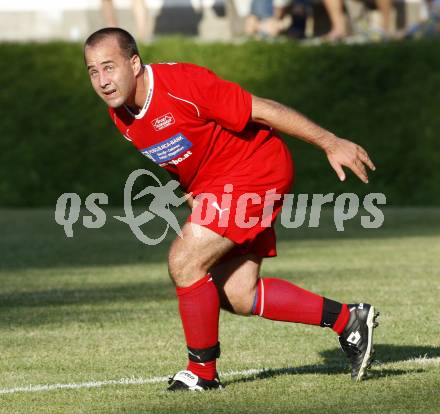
112, 74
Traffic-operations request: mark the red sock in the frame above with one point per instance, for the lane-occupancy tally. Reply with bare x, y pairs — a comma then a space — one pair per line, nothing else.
281, 300
199, 308
342, 320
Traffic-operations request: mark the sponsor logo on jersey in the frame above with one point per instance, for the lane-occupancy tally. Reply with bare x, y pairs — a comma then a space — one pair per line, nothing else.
170, 150
163, 121
177, 160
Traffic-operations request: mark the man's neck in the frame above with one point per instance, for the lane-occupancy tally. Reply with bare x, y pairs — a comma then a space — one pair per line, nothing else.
137, 102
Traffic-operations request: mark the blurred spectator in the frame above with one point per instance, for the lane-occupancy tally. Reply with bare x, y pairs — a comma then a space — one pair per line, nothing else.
109, 13
140, 14
430, 25
140, 17
299, 10
270, 18
335, 10
259, 17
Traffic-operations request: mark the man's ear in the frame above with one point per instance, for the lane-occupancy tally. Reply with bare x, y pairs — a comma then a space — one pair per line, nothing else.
136, 64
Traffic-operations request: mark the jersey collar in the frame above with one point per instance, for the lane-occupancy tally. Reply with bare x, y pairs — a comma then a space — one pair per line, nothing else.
147, 103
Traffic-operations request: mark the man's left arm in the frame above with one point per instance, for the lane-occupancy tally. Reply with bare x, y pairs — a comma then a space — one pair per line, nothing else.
340, 152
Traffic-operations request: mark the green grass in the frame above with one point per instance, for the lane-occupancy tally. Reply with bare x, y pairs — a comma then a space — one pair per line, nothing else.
100, 307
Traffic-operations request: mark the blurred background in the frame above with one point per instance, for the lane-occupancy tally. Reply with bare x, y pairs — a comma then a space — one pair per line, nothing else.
99, 306
368, 71
219, 19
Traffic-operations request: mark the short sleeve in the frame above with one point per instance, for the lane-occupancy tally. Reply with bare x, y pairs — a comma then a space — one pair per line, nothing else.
217, 99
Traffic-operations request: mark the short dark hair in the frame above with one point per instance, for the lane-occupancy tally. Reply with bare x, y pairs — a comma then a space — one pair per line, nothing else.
125, 40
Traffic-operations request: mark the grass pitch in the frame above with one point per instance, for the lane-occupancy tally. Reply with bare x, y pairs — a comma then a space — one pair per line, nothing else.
100, 307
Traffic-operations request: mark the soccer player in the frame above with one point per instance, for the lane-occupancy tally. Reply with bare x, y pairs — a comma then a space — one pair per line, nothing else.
215, 137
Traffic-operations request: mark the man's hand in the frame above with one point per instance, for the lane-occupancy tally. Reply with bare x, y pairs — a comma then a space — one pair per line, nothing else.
340, 152
343, 153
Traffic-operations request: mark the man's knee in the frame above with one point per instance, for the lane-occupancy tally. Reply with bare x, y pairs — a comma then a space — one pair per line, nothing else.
236, 281
191, 257
239, 300
183, 269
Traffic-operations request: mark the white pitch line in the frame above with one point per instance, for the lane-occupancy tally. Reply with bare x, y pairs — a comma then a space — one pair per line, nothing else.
121, 381
422, 361
89, 384
156, 380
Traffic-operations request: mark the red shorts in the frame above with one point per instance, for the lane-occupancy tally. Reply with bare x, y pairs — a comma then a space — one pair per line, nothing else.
242, 204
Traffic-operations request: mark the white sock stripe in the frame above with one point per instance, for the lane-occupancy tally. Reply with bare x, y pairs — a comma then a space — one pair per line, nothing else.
423, 360
262, 297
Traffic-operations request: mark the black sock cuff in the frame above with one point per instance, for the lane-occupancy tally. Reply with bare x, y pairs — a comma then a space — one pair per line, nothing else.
204, 355
330, 312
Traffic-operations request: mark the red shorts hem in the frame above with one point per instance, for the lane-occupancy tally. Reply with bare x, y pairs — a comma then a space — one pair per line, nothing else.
242, 204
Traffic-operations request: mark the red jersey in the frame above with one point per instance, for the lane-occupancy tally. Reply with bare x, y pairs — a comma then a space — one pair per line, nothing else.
194, 124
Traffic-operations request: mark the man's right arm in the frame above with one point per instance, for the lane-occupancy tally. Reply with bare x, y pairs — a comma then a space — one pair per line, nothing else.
340, 152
